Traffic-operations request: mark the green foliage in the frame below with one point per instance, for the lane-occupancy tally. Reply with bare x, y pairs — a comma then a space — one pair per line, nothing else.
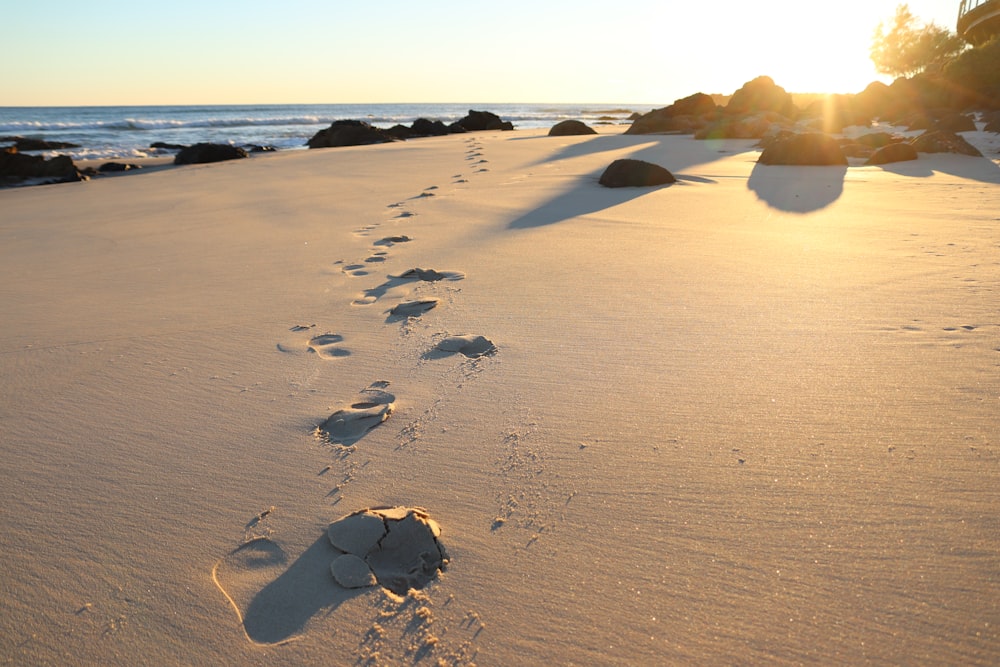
906, 48
977, 69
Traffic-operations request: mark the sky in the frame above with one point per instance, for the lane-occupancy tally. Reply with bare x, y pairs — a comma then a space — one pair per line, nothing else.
114, 52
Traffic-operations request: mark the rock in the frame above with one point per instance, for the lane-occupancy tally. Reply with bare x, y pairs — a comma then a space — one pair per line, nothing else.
803, 149
254, 148
159, 145
635, 173
992, 122
950, 121
477, 121
349, 133
939, 141
569, 128
401, 132
755, 126
669, 119
423, 127
112, 167
761, 94
205, 153
26, 144
899, 152
854, 149
877, 139
17, 167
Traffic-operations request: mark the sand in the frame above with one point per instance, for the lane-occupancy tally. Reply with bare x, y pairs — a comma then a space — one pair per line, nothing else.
747, 418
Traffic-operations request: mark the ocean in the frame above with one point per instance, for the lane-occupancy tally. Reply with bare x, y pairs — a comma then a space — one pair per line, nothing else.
127, 131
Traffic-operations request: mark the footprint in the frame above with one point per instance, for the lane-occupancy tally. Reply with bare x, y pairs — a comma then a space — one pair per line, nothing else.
429, 275
395, 547
355, 270
374, 259
405, 214
471, 346
413, 308
348, 425
390, 241
324, 346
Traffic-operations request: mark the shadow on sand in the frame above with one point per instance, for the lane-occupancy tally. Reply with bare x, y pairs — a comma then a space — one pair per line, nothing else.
283, 608
587, 196
973, 168
797, 189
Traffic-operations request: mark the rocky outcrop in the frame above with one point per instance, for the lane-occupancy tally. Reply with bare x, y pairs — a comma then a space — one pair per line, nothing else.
423, 127
205, 153
684, 115
754, 126
635, 173
803, 149
899, 152
479, 121
349, 133
568, 128
939, 141
16, 167
761, 94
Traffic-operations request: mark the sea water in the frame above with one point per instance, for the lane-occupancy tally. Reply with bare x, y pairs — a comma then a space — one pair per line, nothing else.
121, 132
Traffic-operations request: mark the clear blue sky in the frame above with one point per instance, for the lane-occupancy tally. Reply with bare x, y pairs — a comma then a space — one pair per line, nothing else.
62, 52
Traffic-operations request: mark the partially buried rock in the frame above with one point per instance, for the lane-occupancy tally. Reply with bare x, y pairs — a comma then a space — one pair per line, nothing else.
349, 133
812, 149
205, 153
568, 128
893, 153
396, 547
17, 167
112, 167
635, 173
944, 142
477, 121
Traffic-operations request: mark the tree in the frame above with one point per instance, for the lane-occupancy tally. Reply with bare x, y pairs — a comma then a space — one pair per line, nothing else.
907, 48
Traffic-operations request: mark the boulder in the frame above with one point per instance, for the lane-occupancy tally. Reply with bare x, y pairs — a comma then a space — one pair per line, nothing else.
401, 132
17, 167
349, 133
951, 121
899, 152
666, 119
477, 121
803, 149
939, 141
569, 128
423, 127
992, 122
113, 167
162, 146
754, 126
635, 173
761, 94
877, 139
205, 153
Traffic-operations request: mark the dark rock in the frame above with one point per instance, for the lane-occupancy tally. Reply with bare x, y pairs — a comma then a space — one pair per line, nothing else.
900, 152
755, 126
422, 127
832, 113
803, 149
112, 167
854, 149
253, 148
761, 94
27, 144
17, 167
205, 153
635, 173
159, 145
666, 119
401, 132
950, 121
877, 139
938, 141
875, 101
349, 133
569, 128
478, 121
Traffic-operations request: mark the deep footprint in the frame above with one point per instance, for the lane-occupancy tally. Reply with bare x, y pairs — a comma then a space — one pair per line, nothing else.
471, 346
390, 241
395, 547
348, 425
324, 346
413, 308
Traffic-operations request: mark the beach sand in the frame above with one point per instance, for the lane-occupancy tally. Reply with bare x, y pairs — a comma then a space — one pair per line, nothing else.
749, 418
